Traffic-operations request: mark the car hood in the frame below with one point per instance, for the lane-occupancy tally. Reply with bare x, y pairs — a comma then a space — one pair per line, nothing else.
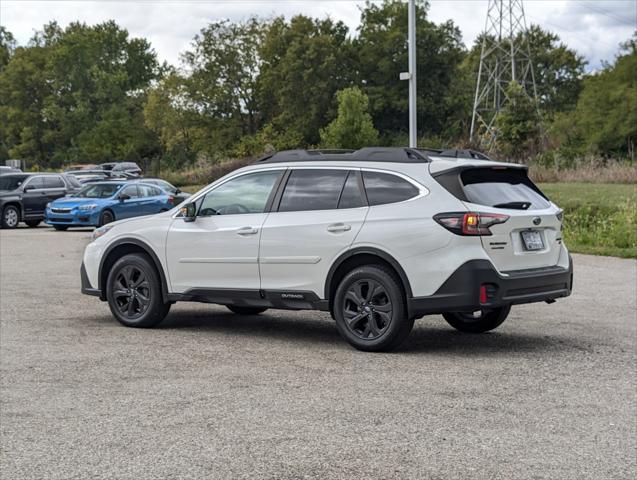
70, 202
6, 193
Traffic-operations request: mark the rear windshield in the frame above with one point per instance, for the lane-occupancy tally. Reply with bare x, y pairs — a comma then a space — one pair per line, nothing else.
495, 187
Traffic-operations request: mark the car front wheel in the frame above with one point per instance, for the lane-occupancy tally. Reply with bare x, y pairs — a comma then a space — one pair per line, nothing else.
370, 311
10, 217
477, 322
106, 217
133, 291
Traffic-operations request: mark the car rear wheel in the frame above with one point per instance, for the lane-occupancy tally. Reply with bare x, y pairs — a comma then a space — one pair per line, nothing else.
106, 217
32, 223
479, 321
133, 291
369, 309
61, 228
246, 310
10, 217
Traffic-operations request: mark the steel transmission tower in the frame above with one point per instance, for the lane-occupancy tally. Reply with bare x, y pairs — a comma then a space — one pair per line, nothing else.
505, 57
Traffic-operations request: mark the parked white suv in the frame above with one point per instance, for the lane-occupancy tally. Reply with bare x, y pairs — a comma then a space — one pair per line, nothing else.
378, 237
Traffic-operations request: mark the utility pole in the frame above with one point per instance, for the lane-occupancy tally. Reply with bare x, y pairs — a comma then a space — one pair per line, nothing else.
411, 74
505, 58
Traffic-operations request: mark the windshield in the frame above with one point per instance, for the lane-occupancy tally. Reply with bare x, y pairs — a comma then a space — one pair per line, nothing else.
103, 190
11, 182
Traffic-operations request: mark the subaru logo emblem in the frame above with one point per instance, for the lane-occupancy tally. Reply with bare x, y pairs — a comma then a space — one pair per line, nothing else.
537, 221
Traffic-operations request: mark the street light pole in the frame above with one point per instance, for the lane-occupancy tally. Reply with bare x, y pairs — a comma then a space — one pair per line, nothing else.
411, 36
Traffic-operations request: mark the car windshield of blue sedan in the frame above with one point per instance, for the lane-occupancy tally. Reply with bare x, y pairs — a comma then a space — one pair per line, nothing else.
104, 190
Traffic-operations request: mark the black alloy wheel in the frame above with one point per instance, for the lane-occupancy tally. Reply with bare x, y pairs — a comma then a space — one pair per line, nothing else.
134, 292
367, 309
131, 292
370, 309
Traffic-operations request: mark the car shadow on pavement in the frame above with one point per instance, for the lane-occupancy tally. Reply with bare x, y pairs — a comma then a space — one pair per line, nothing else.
425, 337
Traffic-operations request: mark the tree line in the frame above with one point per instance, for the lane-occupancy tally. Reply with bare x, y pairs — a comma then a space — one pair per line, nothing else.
86, 94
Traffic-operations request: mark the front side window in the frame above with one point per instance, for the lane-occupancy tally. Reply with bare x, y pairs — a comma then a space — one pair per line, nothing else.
383, 188
35, 182
310, 189
11, 182
131, 191
245, 194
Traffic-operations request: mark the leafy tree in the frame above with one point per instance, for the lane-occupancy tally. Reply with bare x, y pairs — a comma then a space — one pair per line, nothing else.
304, 63
605, 118
77, 94
353, 127
517, 123
225, 62
382, 55
7, 46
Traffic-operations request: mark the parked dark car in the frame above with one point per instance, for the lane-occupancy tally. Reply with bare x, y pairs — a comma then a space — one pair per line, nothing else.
4, 170
169, 188
96, 175
24, 196
127, 167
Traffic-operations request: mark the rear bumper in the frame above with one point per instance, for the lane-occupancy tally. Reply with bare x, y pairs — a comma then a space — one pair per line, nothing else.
461, 291
87, 288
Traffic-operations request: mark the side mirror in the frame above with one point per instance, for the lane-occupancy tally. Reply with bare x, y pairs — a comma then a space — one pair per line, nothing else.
123, 197
188, 212
177, 191
29, 187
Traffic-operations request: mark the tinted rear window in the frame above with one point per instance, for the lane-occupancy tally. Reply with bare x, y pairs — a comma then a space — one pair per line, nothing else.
312, 190
382, 188
502, 188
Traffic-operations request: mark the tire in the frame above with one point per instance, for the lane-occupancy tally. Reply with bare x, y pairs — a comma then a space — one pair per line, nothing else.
10, 217
483, 322
246, 310
106, 217
32, 223
133, 291
61, 228
375, 320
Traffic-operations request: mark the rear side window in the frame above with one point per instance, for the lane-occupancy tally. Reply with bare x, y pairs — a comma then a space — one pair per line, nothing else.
73, 181
318, 189
36, 182
382, 188
53, 182
502, 188
351, 195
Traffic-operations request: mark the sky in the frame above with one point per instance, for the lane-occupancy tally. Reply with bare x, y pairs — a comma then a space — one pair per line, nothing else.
594, 28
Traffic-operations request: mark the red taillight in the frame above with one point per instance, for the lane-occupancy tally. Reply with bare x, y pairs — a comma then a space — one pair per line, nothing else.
483, 294
470, 223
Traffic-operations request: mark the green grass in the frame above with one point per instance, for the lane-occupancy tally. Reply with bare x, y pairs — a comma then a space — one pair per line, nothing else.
599, 218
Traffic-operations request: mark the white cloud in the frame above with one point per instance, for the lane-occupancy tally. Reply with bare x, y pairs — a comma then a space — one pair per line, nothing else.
593, 28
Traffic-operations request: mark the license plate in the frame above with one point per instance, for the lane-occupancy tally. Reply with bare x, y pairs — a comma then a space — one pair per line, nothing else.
532, 240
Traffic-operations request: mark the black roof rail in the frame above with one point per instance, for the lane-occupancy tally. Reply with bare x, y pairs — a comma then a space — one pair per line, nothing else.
367, 154
454, 153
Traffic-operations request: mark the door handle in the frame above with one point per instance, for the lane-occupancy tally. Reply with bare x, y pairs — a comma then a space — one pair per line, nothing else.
339, 227
247, 231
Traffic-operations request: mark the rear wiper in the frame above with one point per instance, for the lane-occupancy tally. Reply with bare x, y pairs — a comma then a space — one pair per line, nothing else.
514, 205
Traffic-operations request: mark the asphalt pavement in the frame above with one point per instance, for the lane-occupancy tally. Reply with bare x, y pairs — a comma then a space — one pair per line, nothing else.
551, 394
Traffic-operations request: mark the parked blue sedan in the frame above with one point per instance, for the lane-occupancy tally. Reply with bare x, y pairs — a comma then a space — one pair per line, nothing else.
104, 202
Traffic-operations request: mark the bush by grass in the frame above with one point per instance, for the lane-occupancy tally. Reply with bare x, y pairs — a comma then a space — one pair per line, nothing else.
599, 219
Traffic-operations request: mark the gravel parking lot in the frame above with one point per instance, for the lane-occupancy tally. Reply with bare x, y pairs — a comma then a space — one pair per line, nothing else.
551, 394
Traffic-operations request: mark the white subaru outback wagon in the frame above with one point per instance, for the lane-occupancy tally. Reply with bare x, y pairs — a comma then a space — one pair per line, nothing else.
377, 237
